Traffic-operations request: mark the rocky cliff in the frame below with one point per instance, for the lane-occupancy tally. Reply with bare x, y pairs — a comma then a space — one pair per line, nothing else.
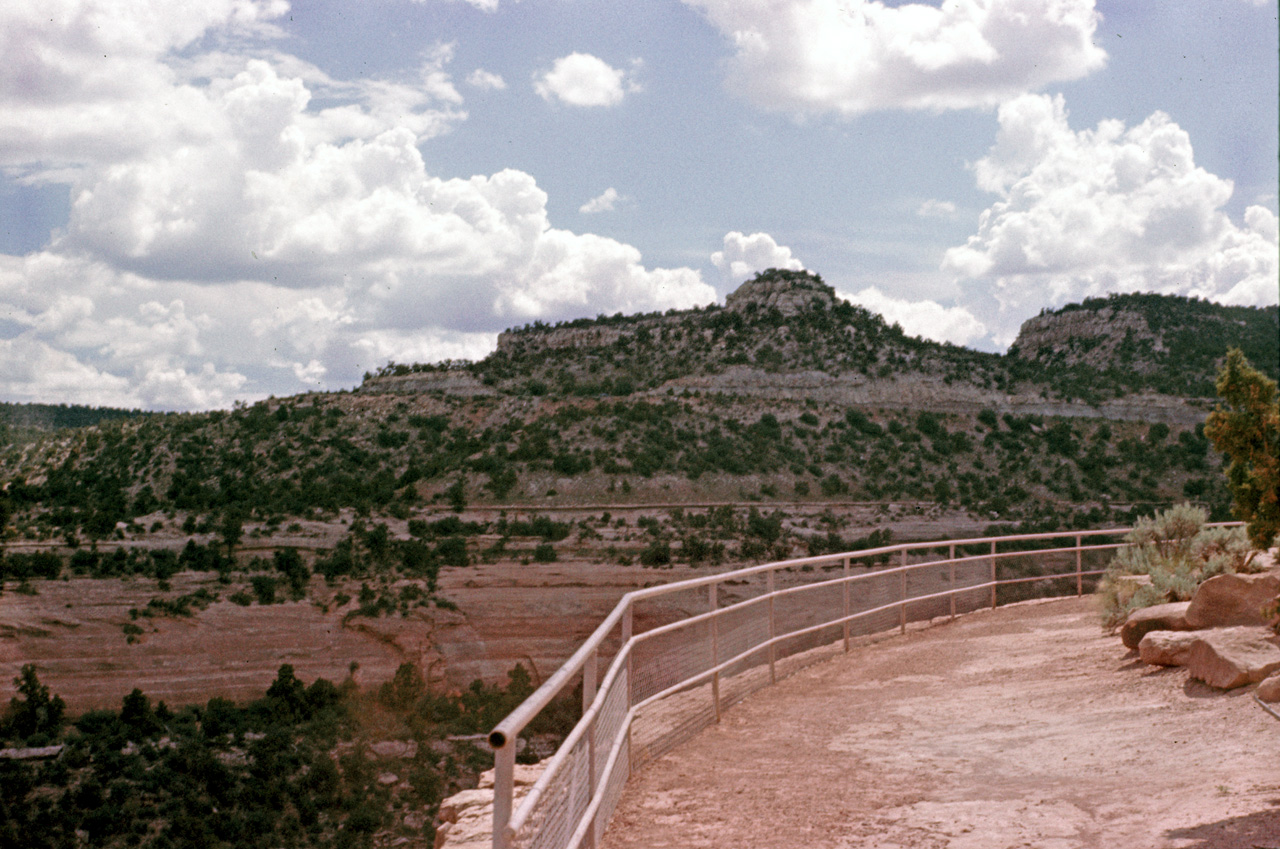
1093, 338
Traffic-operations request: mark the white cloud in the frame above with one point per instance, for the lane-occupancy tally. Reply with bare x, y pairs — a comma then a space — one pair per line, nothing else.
581, 79
922, 318
1086, 213
854, 56
604, 202
83, 81
745, 255
247, 241
486, 80
932, 208
482, 5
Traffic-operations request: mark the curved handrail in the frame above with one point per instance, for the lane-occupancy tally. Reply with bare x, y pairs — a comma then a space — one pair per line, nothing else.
576, 783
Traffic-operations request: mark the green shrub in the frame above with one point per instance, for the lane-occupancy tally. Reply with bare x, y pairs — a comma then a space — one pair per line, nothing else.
1175, 553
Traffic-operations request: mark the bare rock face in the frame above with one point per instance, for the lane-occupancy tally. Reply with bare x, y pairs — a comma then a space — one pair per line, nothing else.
789, 292
1088, 337
1226, 600
1269, 690
1167, 648
1158, 617
466, 818
1232, 657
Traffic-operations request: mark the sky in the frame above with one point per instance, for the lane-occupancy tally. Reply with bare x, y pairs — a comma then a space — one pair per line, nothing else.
217, 201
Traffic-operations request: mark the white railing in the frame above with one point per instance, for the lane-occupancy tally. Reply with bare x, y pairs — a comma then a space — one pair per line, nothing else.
708, 645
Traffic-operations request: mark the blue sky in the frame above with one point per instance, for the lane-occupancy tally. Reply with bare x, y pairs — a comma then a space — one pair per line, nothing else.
213, 201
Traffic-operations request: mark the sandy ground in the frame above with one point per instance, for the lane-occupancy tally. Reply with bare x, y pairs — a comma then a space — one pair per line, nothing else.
1021, 727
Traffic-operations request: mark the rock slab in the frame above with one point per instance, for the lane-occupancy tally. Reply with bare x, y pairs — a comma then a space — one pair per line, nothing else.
1226, 600
1232, 657
1167, 648
1158, 617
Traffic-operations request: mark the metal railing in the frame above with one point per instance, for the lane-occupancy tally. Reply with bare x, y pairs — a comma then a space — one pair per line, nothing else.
710, 640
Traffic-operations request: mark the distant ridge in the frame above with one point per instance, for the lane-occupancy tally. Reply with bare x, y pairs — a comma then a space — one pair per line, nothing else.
791, 323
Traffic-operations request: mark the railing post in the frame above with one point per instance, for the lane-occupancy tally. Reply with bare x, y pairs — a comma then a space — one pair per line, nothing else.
631, 700
504, 782
993, 574
846, 604
952, 556
773, 631
713, 598
902, 608
1079, 568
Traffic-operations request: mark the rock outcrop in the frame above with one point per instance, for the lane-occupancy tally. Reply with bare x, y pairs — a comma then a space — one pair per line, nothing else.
1158, 617
1167, 648
790, 293
1226, 600
1233, 657
466, 818
1085, 337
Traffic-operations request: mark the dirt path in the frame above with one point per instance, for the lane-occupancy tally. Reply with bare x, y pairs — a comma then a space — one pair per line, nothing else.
1022, 727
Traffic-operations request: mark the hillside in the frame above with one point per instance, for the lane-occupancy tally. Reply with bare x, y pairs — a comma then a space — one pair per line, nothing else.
784, 394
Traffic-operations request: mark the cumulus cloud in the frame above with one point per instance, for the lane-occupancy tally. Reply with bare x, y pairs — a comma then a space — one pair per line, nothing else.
929, 319
1112, 209
604, 202
247, 240
853, 56
486, 80
745, 255
83, 81
581, 79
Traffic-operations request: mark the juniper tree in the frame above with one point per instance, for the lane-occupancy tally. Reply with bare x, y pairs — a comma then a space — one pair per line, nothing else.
1246, 428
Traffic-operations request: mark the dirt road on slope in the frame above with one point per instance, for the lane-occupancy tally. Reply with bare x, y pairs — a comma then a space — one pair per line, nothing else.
1022, 727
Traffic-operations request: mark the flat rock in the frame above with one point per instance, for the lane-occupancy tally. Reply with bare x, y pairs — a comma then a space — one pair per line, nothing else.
1226, 600
1158, 617
1232, 657
1269, 689
1167, 648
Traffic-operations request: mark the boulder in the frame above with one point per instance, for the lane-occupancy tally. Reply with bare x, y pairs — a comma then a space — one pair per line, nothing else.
1269, 690
1226, 600
1158, 617
1166, 648
1232, 657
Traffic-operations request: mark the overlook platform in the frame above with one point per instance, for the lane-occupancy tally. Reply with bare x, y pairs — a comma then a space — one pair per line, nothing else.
1022, 726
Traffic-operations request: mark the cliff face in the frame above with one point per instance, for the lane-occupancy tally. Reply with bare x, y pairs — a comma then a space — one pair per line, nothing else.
1094, 338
